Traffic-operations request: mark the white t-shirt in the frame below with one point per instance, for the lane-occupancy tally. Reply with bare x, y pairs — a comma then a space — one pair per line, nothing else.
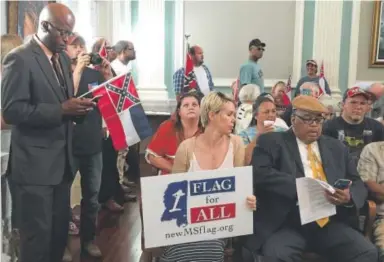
202, 79
119, 67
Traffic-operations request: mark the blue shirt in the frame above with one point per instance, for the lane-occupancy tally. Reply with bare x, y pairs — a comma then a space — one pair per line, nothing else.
251, 73
249, 134
316, 79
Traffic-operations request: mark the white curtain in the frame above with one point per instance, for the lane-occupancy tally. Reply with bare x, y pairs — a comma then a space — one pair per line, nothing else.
149, 43
121, 21
85, 13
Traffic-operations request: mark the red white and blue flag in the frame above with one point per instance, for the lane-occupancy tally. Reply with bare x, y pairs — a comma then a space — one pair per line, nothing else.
322, 79
103, 50
287, 92
121, 109
190, 82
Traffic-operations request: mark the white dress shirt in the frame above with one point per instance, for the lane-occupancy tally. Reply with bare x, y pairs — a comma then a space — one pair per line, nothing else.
304, 156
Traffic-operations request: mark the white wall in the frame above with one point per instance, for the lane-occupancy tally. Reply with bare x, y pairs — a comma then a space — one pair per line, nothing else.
225, 28
364, 72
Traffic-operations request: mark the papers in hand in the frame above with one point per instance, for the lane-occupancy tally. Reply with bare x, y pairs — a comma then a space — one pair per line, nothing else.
313, 204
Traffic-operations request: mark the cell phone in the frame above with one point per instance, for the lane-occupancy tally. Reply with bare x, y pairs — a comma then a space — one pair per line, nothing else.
342, 184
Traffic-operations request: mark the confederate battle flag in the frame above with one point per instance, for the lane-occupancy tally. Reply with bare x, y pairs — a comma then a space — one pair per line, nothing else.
287, 92
189, 75
121, 109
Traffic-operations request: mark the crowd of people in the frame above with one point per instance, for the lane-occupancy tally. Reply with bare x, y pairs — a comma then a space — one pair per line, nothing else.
52, 130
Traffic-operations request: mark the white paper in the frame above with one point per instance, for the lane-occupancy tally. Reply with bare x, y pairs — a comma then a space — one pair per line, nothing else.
313, 204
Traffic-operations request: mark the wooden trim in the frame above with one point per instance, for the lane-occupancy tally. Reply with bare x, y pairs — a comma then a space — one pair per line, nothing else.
12, 16
375, 35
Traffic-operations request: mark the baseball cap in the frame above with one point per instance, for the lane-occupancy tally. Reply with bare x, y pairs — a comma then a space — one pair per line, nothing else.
355, 91
256, 42
311, 62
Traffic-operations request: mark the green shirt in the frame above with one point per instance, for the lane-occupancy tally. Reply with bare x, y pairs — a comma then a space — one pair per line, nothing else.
251, 73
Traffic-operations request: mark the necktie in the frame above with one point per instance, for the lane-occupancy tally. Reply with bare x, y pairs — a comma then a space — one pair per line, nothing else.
318, 173
57, 68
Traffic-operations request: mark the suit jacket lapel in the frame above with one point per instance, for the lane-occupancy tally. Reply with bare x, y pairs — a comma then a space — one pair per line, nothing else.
290, 141
326, 153
67, 77
47, 69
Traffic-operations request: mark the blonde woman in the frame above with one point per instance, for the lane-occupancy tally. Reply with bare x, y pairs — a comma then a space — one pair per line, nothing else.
214, 149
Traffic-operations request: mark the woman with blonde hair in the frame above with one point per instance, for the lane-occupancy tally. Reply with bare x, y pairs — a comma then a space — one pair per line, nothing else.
215, 148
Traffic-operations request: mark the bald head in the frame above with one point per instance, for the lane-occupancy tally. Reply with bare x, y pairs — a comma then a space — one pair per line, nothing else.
58, 14
197, 55
56, 22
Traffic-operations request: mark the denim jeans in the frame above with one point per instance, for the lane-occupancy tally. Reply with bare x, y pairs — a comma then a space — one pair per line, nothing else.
90, 167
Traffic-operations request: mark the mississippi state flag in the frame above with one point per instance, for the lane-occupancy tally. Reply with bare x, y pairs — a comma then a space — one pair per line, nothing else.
189, 74
287, 92
321, 79
123, 114
103, 50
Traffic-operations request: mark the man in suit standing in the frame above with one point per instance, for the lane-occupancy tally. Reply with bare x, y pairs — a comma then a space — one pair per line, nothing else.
37, 98
280, 158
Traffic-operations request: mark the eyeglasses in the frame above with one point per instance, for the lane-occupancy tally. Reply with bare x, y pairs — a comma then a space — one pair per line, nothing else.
311, 120
62, 32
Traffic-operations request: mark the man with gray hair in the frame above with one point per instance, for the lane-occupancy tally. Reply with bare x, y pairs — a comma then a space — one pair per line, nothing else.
125, 53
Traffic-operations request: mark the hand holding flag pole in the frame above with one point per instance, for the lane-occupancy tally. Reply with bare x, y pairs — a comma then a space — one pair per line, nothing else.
97, 87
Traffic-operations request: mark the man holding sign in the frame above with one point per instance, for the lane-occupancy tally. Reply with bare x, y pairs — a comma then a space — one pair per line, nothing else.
281, 158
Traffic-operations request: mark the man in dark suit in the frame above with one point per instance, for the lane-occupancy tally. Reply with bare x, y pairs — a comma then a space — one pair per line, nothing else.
278, 160
37, 98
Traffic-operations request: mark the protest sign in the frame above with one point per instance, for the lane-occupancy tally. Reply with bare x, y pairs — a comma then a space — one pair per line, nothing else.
196, 206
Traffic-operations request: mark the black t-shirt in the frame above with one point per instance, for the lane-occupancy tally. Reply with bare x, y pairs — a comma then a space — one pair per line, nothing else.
87, 135
355, 137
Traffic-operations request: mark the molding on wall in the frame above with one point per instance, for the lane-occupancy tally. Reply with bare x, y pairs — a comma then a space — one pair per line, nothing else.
227, 82
298, 40
354, 44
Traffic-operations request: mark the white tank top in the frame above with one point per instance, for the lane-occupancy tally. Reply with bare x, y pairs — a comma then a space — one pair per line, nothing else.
227, 162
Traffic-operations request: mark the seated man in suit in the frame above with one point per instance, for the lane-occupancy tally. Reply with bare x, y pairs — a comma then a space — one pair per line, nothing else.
281, 157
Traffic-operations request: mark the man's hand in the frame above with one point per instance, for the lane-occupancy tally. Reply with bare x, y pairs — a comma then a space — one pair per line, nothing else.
83, 61
105, 69
339, 198
77, 106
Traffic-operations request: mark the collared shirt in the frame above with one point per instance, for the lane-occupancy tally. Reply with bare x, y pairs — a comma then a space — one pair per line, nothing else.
304, 156
46, 51
371, 166
119, 67
178, 80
